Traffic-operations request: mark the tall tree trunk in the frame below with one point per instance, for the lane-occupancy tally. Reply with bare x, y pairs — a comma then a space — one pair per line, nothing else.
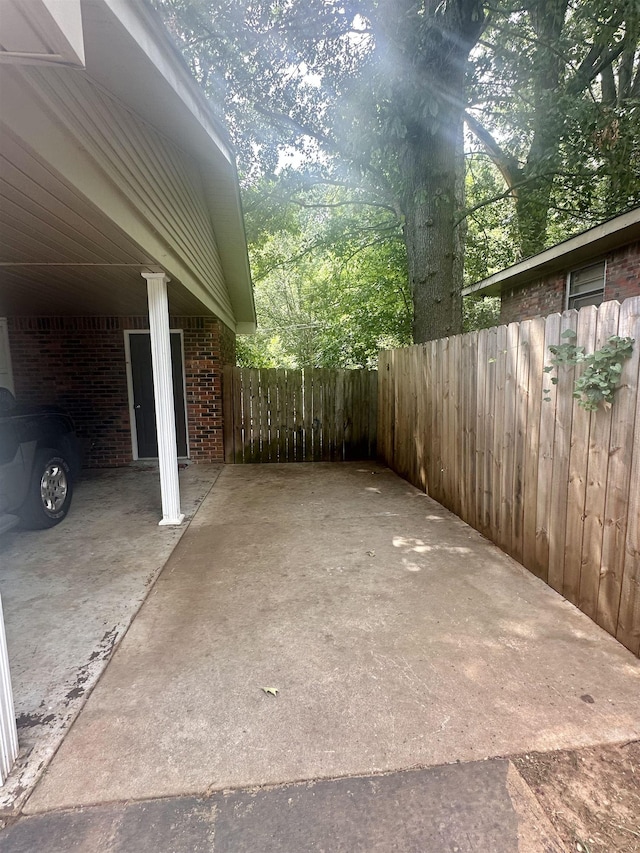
436, 39
534, 198
430, 167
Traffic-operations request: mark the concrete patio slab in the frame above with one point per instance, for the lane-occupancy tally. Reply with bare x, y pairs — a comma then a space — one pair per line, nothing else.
395, 635
480, 806
69, 594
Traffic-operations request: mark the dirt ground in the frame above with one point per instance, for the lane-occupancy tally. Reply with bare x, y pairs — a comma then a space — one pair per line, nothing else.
591, 796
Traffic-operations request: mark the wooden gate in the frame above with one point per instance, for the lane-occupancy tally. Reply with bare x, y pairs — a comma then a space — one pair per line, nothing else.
299, 415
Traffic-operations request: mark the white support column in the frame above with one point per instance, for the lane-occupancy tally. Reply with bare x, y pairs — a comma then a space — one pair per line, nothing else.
163, 391
8, 730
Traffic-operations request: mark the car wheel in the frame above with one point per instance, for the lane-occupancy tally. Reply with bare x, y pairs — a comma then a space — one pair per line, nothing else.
50, 491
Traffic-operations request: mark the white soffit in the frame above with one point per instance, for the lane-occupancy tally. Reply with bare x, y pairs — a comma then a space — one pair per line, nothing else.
41, 31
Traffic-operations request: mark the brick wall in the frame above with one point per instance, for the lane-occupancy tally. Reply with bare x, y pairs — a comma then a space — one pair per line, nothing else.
548, 294
533, 300
207, 342
623, 273
227, 345
79, 363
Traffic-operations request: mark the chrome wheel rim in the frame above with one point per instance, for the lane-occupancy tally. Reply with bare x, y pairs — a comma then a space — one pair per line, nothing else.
53, 487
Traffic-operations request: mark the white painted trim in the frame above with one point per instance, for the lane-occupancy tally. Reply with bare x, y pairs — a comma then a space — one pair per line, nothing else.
132, 413
57, 23
184, 393
163, 393
6, 369
8, 729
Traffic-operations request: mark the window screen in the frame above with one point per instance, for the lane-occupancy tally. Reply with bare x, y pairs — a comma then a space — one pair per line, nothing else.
586, 286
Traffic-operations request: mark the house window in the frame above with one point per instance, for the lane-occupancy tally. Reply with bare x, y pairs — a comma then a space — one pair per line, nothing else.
586, 286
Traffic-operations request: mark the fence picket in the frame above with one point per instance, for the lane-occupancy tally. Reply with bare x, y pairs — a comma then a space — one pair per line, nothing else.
628, 627
520, 439
545, 453
619, 482
578, 462
469, 449
534, 401
561, 455
481, 425
597, 467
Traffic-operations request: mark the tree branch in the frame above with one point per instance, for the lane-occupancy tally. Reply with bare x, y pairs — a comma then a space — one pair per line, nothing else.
504, 162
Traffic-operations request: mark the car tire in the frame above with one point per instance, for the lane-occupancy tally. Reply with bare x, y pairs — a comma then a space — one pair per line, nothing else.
50, 491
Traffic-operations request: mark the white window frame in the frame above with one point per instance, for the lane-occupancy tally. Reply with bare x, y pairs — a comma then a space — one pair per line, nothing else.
568, 293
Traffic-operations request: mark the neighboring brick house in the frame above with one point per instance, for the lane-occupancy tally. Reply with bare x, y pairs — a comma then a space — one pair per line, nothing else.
600, 264
124, 275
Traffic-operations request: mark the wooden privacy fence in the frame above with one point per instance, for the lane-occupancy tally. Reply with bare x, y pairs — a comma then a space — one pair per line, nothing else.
299, 415
555, 486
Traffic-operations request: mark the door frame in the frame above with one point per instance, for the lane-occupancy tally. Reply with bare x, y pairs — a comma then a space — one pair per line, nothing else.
5, 353
132, 414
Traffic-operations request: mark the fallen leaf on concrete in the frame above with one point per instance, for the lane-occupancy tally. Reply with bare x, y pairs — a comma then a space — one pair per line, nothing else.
371, 553
272, 691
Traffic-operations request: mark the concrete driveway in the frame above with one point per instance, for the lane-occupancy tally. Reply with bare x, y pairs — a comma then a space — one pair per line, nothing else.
395, 636
69, 594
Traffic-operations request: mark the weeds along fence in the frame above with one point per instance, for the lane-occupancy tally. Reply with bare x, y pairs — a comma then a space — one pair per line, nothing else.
555, 486
310, 415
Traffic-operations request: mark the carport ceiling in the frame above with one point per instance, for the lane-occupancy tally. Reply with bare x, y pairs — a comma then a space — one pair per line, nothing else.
60, 256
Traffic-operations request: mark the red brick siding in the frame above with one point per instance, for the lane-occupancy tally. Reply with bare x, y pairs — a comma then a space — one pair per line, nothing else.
533, 300
79, 364
623, 273
547, 295
227, 345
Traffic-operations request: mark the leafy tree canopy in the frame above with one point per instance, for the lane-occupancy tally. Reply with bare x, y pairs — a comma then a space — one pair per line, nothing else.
331, 284
365, 100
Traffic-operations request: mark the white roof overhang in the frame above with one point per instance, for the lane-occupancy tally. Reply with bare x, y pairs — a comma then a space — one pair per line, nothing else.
129, 53
571, 253
36, 31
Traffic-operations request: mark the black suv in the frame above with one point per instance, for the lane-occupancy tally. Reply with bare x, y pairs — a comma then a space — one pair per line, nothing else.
39, 461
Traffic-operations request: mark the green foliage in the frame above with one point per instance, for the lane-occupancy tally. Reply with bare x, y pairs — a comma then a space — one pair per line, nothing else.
367, 95
480, 312
555, 97
602, 369
330, 282
491, 225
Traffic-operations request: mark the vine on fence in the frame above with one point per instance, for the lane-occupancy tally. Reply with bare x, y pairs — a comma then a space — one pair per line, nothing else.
602, 369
